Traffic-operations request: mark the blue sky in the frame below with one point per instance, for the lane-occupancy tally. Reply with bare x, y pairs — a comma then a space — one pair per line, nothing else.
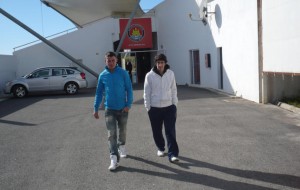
39, 18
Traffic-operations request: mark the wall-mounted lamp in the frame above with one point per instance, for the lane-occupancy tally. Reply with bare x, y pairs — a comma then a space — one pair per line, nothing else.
203, 13
204, 19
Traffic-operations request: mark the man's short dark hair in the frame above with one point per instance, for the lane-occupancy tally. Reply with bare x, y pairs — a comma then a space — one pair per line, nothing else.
110, 54
160, 57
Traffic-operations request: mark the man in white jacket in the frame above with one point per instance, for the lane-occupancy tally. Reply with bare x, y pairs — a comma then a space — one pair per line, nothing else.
160, 99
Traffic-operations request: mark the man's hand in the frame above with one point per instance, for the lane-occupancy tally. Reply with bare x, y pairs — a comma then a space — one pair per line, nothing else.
96, 115
126, 109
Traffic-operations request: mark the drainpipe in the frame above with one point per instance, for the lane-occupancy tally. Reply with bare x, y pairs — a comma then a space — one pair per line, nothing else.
48, 42
262, 92
127, 27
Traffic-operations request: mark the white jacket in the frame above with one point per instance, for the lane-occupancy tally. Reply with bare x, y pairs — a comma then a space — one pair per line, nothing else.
160, 91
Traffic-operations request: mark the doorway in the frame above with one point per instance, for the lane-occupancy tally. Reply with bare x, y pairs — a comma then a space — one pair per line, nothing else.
220, 68
195, 66
140, 63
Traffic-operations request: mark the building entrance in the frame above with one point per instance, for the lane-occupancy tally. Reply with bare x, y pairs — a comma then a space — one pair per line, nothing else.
137, 63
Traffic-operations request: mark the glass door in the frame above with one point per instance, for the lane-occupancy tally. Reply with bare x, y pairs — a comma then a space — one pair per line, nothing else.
129, 64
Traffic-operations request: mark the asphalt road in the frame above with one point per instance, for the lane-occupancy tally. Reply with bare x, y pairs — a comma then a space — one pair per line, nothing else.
52, 142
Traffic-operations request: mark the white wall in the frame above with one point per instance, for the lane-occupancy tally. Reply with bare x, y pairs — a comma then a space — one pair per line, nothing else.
237, 35
88, 44
8, 66
281, 36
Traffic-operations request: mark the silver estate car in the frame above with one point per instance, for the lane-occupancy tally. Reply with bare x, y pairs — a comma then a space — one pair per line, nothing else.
69, 79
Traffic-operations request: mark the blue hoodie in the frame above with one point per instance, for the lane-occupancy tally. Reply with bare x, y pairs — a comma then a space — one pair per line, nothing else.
117, 88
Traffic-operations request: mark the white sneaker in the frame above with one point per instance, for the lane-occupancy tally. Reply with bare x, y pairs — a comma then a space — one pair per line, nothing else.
160, 153
113, 162
122, 151
174, 159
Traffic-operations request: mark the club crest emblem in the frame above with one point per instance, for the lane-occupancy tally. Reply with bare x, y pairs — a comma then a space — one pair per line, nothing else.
136, 33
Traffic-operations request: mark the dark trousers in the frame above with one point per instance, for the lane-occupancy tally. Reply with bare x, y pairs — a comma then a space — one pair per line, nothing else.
164, 116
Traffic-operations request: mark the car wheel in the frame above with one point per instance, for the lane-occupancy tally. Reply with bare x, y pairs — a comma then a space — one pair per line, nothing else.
71, 88
19, 91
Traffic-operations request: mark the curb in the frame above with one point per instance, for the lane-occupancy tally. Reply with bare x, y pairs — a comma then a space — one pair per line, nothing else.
223, 93
211, 90
288, 107
282, 105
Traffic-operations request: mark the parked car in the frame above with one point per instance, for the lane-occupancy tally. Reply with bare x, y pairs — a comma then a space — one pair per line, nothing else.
69, 79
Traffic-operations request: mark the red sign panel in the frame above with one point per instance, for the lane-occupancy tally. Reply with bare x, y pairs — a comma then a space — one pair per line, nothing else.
139, 34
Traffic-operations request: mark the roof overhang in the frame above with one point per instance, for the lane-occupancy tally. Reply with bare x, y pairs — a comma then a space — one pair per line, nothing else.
84, 12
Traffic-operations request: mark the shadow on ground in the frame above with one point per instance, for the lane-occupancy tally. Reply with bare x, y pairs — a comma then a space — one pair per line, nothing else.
210, 181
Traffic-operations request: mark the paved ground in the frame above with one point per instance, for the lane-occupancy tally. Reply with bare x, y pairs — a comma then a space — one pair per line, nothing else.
53, 142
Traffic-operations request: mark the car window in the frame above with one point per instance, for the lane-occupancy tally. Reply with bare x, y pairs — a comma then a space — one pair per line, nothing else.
40, 73
70, 72
58, 72
64, 72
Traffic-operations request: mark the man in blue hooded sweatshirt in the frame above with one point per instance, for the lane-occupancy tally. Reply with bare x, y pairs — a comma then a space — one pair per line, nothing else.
115, 84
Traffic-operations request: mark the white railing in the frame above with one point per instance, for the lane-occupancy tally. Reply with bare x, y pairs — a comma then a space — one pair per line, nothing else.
47, 37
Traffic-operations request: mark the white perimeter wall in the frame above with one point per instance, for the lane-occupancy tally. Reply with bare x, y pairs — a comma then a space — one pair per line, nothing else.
281, 36
8, 67
237, 35
88, 44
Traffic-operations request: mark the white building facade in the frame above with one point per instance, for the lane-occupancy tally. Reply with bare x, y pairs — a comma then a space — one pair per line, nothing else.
247, 48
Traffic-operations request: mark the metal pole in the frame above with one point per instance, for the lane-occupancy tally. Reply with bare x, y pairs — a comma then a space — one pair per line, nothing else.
127, 27
48, 42
262, 87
